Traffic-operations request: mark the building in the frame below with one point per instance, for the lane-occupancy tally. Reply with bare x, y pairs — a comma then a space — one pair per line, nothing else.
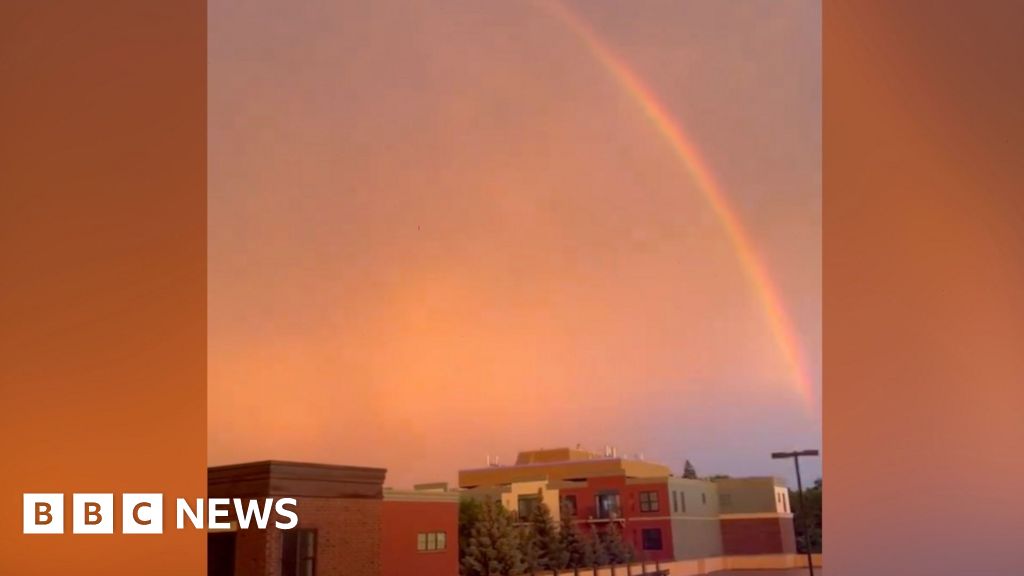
348, 524
755, 516
664, 517
420, 532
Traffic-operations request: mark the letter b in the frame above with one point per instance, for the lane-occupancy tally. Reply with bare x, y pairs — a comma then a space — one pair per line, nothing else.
43, 513
93, 514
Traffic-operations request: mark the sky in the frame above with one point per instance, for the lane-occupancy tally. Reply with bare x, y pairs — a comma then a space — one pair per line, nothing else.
442, 231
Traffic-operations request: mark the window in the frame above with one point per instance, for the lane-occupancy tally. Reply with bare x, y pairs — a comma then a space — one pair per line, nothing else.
675, 502
649, 501
569, 505
527, 504
431, 541
298, 553
651, 538
608, 505
703, 498
682, 502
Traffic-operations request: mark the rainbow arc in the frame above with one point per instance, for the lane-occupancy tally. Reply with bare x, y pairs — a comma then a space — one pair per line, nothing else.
687, 152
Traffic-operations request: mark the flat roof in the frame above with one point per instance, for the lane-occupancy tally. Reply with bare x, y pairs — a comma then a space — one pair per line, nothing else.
285, 478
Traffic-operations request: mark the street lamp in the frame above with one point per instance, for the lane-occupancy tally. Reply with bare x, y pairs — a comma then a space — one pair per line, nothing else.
800, 496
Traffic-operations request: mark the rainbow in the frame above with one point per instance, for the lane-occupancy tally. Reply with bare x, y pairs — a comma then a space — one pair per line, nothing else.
684, 149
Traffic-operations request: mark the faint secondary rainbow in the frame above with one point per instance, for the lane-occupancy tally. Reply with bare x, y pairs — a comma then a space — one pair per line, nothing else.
685, 150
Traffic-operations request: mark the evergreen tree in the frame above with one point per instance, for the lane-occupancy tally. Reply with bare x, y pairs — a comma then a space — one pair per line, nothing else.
494, 547
598, 544
689, 471
545, 542
618, 549
470, 510
579, 549
532, 562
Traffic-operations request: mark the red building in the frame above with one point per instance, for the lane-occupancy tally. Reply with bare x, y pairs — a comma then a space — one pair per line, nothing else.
663, 517
637, 507
348, 525
424, 521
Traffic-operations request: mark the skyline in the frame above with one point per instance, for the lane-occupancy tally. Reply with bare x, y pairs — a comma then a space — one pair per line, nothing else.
424, 248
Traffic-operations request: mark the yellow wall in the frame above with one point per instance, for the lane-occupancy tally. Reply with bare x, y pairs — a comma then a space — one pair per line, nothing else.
510, 498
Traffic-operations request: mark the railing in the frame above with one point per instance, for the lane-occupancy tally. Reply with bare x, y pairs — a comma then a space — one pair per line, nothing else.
593, 512
638, 568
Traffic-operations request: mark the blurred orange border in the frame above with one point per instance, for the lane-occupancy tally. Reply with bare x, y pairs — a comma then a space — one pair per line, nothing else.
103, 258
923, 287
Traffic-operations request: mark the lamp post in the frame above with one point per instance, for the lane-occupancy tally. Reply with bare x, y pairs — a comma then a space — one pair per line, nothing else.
800, 497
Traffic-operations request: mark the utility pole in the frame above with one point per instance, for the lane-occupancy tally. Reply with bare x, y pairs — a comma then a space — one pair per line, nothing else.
800, 497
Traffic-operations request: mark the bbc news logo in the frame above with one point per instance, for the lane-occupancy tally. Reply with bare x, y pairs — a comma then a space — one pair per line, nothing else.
144, 513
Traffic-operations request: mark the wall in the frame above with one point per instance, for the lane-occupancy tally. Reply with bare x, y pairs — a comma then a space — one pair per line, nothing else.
402, 522
701, 497
348, 539
747, 495
510, 498
629, 500
694, 537
769, 534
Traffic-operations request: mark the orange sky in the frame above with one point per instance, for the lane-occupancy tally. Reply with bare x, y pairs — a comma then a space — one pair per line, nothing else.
441, 230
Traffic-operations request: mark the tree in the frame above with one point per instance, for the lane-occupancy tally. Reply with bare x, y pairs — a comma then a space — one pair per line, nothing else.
600, 556
470, 510
812, 502
530, 550
544, 542
579, 548
689, 471
493, 547
618, 550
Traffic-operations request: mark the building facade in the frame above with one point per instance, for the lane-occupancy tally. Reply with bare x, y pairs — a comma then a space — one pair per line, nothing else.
662, 516
348, 525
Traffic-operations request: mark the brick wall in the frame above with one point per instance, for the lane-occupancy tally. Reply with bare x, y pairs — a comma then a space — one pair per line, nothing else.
348, 539
757, 535
403, 521
251, 552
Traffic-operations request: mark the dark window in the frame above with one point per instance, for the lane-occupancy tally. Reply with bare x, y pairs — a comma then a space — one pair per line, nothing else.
682, 502
649, 501
608, 505
651, 538
220, 554
569, 505
527, 504
431, 541
703, 498
675, 501
298, 553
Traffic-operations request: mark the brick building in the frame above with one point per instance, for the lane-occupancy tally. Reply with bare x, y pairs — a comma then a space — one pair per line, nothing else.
662, 516
349, 525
